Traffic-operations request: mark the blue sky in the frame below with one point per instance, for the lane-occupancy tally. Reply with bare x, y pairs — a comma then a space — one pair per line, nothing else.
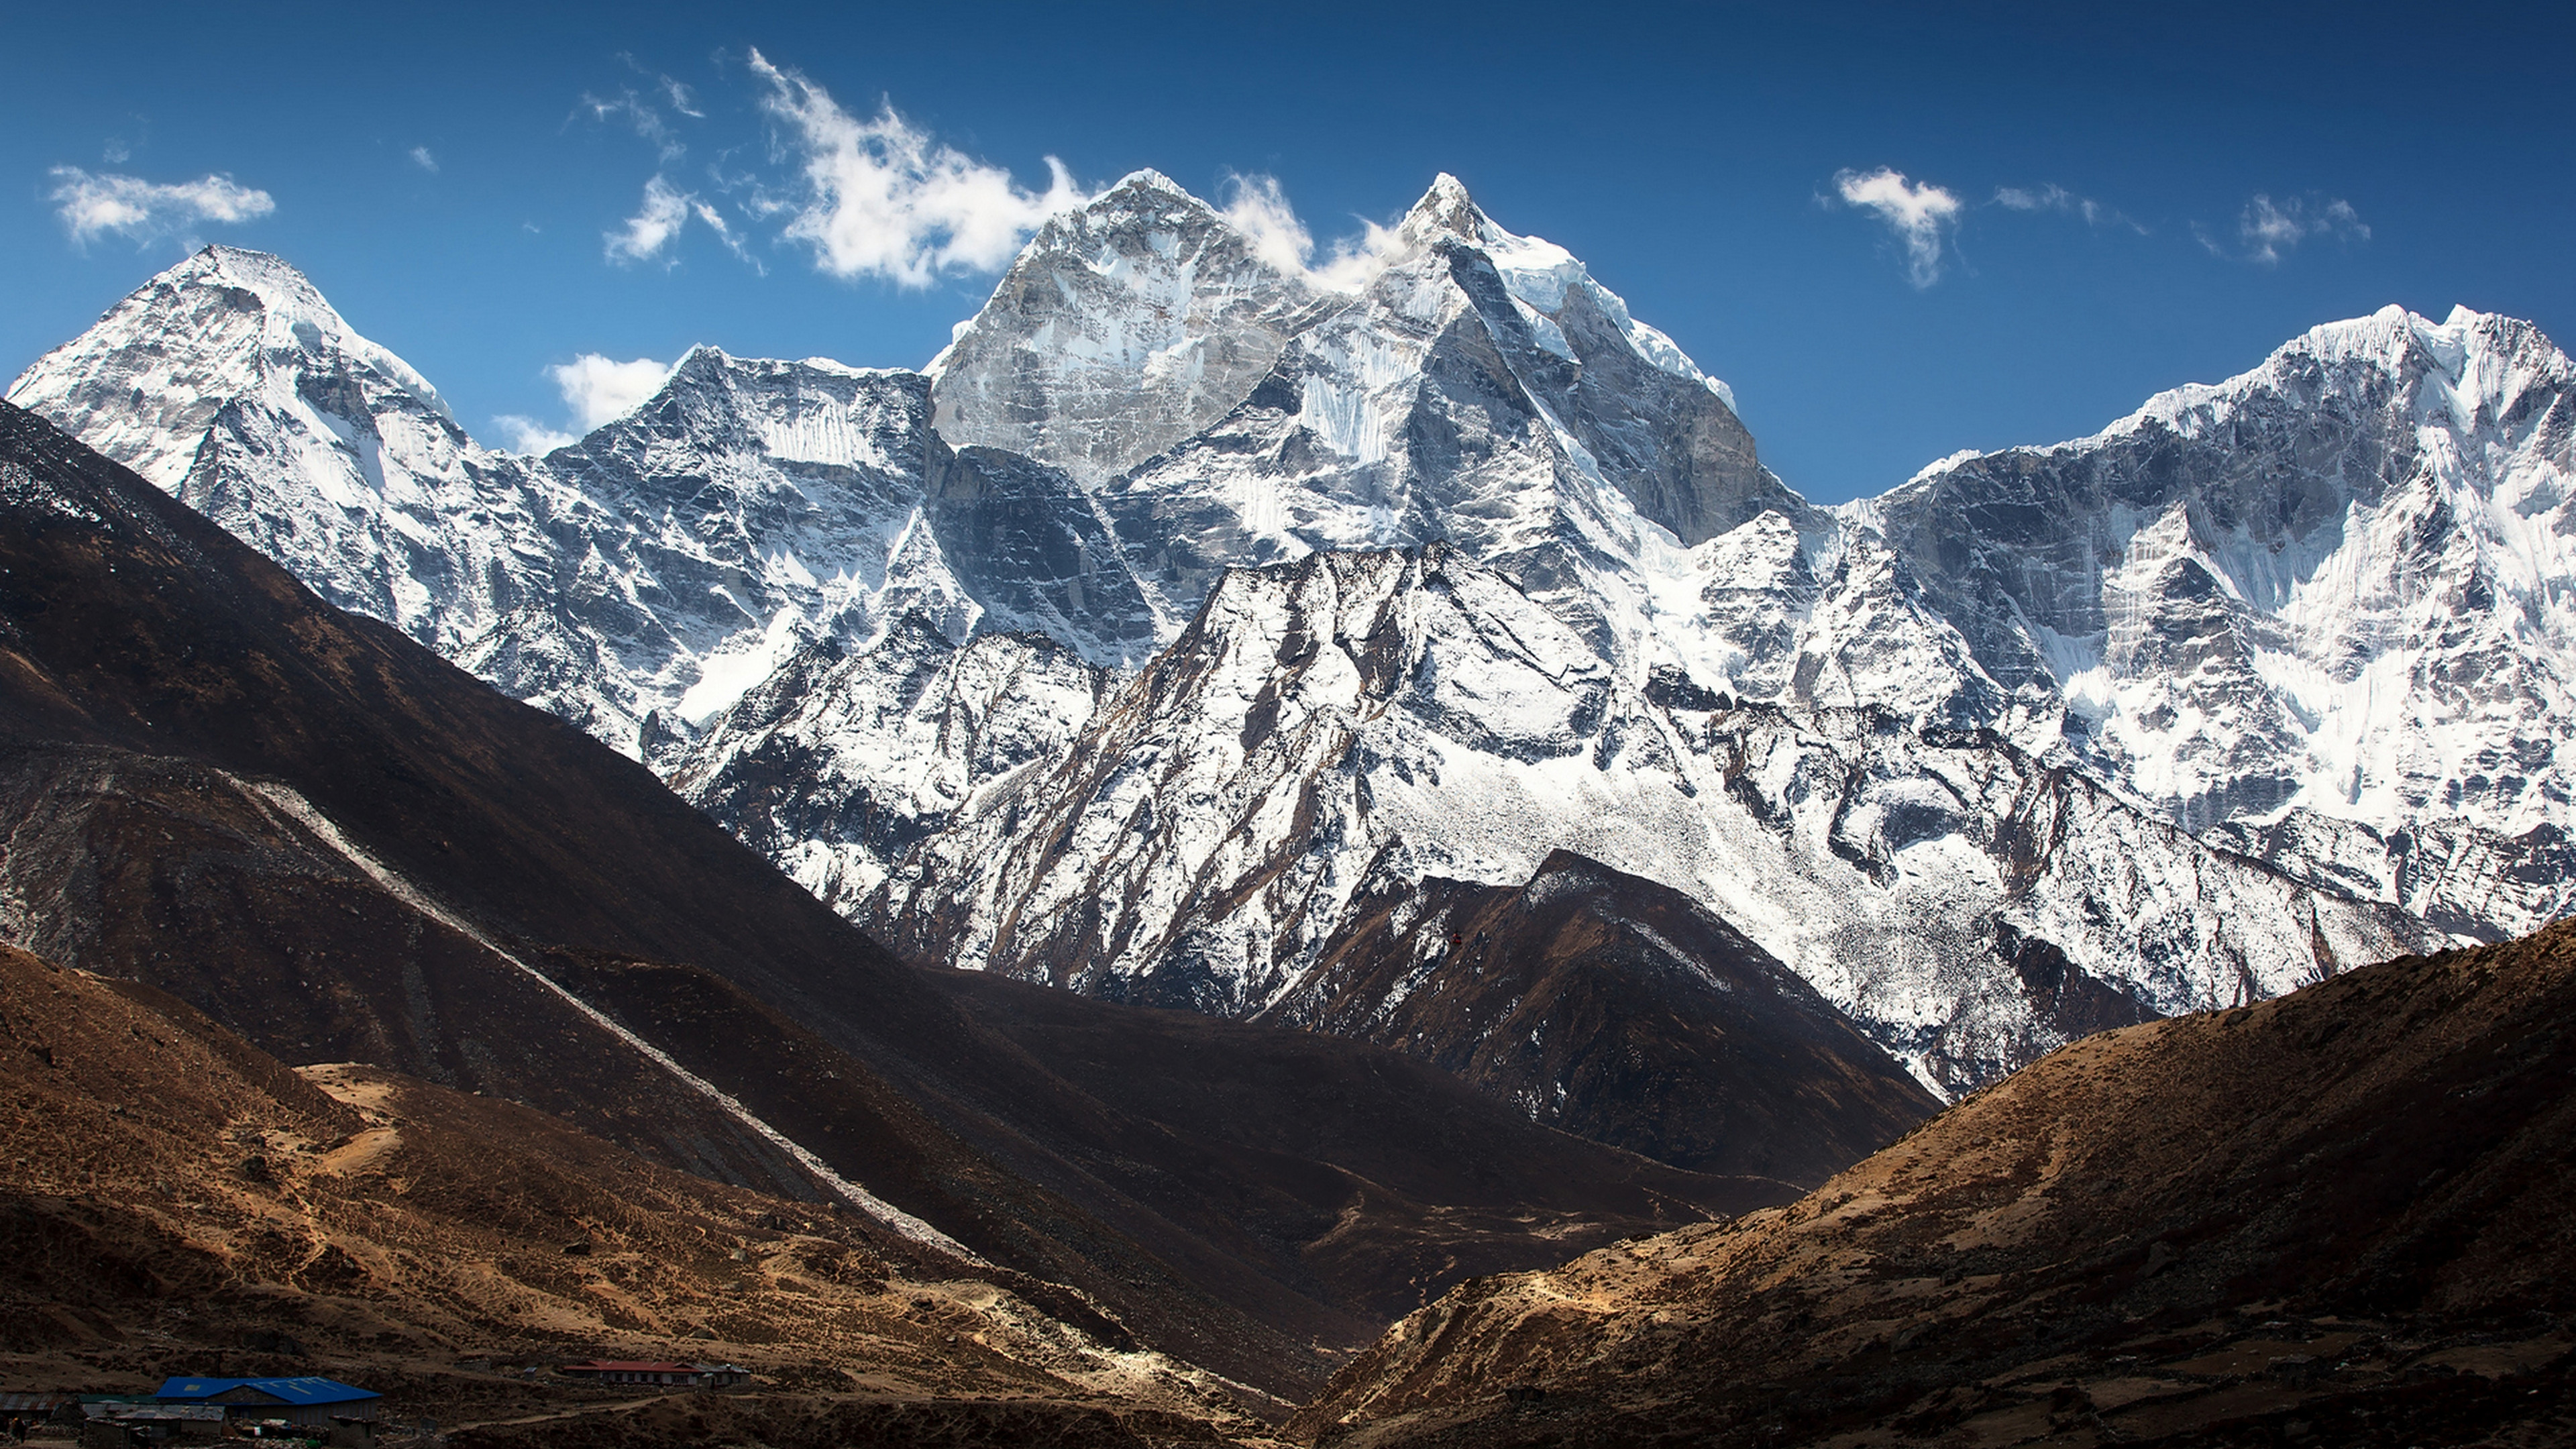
2127, 197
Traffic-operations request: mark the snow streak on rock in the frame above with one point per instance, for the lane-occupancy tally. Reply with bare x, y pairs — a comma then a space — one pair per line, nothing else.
1327, 725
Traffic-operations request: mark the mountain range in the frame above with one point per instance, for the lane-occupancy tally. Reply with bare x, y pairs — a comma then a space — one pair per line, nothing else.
1188, 607
337, 851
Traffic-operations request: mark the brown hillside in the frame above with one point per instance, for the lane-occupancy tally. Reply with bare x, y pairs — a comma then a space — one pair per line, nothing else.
177, 1201
2335, 1218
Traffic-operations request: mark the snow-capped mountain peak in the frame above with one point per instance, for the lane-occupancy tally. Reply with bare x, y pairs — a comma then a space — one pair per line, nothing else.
1444, 210
2192, 709
2322, 607
2484, 363
223, 323
1125, 325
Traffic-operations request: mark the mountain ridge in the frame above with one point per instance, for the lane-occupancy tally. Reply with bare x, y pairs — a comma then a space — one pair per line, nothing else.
341, 847
1479, 392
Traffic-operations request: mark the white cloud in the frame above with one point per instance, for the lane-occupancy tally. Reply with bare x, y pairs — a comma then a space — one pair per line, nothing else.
634, 111
2058, 198
421, 158
599, 389
653, 226
2267, 229
595, 390
732, 239
527, 435
1259, 209
659, 220
143, 210
1918, 213
883, 199
117, 151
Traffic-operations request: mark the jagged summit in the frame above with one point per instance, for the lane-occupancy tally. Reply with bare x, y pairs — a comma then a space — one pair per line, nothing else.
1125, 325
1142, 179
2318, 610
1445, 208
273, 276
221, 323
2484, 361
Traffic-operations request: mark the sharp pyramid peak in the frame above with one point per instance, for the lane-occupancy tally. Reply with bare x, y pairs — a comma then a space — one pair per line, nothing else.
1148, 179
1446, 207
1147, 188
1139, 195
273, 277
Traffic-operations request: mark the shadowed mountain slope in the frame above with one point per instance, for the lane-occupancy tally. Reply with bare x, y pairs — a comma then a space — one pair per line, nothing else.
2339, 1213
1616, 1009
328, 840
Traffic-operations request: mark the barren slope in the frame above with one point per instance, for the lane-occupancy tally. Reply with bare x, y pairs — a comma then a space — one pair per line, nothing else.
2341, 1213
176, 1198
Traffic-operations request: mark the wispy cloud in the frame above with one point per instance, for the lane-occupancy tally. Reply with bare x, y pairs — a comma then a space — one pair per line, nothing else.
2268, 230
1921, 214
596, 389
654, 226
642, 108
660, 218
882, 198
120, 149
421, 158
2058, 199
629, 108
91, 205
680, 97
1258, 207
733, 240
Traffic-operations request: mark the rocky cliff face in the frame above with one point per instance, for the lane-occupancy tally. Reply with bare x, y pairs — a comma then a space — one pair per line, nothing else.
2327, 600
1610, 1007
1190, 594
1356, 721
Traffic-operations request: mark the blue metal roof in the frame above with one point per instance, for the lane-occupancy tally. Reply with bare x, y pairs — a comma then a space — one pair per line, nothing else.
301, 1392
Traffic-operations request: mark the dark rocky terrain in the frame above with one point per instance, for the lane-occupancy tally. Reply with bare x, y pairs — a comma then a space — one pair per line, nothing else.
2338, 1217
343, 849
1615, 1009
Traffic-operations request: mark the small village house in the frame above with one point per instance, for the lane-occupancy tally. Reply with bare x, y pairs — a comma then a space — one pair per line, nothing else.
661, 1375
306, 1402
